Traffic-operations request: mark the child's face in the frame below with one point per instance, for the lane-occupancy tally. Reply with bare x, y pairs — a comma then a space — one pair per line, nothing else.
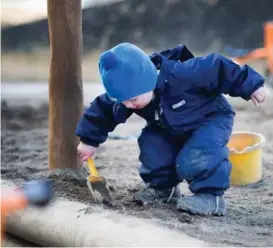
140, 101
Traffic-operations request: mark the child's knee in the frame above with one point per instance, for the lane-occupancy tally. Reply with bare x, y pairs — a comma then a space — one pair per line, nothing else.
191, 163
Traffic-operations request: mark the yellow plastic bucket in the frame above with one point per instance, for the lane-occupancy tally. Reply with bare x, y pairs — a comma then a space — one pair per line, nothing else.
245, 155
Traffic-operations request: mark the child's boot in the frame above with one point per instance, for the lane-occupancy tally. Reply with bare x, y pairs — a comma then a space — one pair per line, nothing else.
150, 195
202, 204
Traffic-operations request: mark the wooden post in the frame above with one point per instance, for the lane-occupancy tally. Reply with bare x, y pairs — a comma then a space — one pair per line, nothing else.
65, 81
268, 44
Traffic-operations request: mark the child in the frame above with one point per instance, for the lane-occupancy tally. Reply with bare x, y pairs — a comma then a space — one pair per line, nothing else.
189, 122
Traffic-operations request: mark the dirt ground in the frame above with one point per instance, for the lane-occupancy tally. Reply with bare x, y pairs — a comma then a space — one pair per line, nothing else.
249, 221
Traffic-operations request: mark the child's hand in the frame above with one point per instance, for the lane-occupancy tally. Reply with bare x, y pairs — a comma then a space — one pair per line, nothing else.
258, 96
86, 151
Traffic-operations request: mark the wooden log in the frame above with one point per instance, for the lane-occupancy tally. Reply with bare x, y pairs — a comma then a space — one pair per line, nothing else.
71, 224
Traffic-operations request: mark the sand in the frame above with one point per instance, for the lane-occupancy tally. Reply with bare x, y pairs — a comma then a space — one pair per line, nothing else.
249, 221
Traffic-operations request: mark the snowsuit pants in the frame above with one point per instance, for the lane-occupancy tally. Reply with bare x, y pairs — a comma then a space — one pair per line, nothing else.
200, 157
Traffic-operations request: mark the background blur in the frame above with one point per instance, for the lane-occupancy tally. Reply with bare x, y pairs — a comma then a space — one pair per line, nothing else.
202, 25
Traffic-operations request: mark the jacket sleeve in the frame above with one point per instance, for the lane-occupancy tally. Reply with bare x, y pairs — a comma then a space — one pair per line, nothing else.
218, 75
100, 118
180, 53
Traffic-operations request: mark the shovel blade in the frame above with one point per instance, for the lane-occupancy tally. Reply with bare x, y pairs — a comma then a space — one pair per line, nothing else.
93, 196
103, 189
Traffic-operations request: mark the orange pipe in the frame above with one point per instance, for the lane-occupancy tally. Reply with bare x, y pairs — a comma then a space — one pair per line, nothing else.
259, 53
265, 52
268, 44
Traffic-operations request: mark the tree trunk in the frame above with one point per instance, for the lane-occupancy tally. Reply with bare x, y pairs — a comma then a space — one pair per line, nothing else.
65, 81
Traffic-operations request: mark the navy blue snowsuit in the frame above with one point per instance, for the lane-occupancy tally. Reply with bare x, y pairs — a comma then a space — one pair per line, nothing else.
189, 121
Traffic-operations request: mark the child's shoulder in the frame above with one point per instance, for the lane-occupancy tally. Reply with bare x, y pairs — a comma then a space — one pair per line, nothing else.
195, 65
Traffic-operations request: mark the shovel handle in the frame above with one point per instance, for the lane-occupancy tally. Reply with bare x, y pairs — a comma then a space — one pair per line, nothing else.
92, 168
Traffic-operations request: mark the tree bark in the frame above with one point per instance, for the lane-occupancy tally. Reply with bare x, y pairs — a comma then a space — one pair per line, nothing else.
65, 81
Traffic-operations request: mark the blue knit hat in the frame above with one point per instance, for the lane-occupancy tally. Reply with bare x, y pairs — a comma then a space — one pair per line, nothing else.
126, 72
